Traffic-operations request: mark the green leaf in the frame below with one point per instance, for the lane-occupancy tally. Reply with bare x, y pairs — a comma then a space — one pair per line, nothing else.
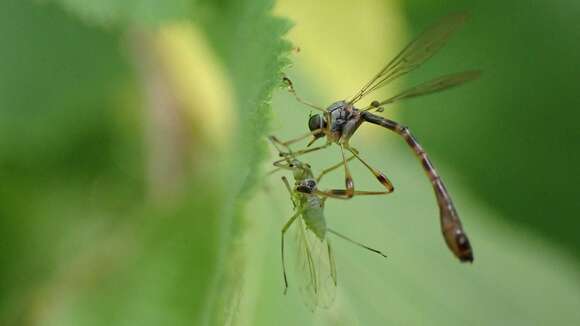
516, 278
129, 12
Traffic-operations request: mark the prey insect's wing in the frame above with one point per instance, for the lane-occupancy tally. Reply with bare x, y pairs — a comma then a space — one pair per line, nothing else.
414, 54
315, 268
436, 85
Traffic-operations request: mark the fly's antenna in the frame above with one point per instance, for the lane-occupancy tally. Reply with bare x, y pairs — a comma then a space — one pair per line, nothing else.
356, 242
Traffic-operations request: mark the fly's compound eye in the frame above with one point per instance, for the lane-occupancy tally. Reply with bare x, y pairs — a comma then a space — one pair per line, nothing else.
316, 122
311, 184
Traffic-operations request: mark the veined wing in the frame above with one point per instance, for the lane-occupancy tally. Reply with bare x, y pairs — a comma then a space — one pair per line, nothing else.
414, 54
436, 85
315, 268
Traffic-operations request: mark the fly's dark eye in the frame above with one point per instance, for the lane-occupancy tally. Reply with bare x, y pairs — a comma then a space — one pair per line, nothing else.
316, 122
311, 183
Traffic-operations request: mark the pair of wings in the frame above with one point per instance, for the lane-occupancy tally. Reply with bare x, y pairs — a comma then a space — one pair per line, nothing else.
414, 55
315, 267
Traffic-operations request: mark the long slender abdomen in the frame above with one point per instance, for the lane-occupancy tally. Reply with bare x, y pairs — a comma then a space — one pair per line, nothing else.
451, 227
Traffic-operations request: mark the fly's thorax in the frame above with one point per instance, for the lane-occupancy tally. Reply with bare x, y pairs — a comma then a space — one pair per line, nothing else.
344, 120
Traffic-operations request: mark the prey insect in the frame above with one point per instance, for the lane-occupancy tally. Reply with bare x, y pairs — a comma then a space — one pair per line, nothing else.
339, 122
315, 260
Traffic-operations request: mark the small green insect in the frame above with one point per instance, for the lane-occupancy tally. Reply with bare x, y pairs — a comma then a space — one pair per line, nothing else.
315, 263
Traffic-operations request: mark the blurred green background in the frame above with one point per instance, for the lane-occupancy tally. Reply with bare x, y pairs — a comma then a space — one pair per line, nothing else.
132, 156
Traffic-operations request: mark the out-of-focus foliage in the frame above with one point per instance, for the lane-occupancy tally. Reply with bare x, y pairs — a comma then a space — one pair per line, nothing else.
132, 151
95, 228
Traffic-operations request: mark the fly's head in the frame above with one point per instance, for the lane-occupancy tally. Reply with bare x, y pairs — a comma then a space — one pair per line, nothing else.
316, 124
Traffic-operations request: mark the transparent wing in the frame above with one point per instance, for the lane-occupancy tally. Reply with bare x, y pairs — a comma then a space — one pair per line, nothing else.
414, 54
315, 268
436, 85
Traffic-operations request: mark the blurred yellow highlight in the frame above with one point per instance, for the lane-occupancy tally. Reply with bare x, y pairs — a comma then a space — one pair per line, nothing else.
199, 82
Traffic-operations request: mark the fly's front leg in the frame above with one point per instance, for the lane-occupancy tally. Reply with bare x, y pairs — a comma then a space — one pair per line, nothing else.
292, 91
286, 144
299, 153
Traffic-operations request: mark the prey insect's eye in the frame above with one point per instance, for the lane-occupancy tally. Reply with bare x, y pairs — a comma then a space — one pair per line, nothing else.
311, 184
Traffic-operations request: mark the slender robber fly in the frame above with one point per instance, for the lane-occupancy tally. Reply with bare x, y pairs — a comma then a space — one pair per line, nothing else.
339, 122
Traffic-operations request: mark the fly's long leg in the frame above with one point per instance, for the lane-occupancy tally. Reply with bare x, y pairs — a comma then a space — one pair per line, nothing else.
276, 142
298, 153
378, 174
332, 168
342, 193
284, 229
453, 232
298, 98
347, 176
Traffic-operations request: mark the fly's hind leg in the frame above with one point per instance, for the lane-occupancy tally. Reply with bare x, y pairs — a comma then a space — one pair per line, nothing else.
343, 193
378, 174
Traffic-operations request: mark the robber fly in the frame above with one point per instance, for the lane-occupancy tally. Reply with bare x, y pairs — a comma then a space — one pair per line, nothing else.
339, 122
315, 263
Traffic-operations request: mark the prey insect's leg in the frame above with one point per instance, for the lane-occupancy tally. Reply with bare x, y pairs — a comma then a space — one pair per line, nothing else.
287, 184
356, 242
298, 98
452, 229
378, 174
284, 229
347, 177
